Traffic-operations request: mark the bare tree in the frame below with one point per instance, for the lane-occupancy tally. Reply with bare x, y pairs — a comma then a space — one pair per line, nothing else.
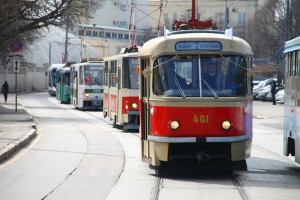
22, 19
267, 29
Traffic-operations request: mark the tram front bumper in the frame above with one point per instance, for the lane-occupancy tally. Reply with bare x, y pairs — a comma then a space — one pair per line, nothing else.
172, 149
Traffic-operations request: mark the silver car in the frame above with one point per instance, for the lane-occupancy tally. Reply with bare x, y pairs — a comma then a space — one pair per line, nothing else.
280, 96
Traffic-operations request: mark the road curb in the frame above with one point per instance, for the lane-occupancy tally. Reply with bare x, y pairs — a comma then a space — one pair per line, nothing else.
12, 148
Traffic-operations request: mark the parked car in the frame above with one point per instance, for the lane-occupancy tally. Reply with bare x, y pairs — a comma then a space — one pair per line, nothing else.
280, 96
265, 93
257, 80
260, 86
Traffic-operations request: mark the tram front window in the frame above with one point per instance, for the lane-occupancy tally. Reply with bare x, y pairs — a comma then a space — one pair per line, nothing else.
93, 75
200, 76
130, 73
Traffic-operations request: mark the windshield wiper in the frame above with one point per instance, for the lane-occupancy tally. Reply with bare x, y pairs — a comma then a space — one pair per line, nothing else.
179, 87
210, 88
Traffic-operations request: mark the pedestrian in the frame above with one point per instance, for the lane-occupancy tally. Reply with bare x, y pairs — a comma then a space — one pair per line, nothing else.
273, 91
5, 89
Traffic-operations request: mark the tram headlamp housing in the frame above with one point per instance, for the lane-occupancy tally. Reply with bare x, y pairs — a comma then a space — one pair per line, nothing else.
174, 125
134, 105
226, 125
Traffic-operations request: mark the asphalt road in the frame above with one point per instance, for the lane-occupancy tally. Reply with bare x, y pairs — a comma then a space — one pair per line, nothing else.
78, 155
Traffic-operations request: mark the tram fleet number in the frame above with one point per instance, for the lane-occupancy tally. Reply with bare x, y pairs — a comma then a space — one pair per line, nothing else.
202, 119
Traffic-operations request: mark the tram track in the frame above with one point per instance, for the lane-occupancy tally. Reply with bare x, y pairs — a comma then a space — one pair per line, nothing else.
240, 186
159, 177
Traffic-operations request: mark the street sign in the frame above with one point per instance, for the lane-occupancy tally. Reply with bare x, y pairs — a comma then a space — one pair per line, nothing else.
16, 46
16, 65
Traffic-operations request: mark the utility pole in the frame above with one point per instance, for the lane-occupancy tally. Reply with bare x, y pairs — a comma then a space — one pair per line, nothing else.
226, 15
66, 41
287, 13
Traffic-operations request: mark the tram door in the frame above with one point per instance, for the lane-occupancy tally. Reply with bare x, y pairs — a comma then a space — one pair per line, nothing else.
145, 106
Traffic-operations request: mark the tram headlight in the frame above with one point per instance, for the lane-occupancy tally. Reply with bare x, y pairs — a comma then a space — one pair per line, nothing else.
87, 95
226, 125
152, 111
134, 105
174, 125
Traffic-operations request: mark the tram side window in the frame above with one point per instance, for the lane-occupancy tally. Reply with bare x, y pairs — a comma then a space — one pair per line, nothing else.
81, 76
106, 79
292, 72
298, 63
58, 77
287, 64
113, 73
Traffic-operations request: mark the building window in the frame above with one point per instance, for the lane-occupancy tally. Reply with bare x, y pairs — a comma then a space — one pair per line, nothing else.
242, 19
126, 36
120, 36
101, 34
81, 32
88, 33
114, 35
95, 33
107, 35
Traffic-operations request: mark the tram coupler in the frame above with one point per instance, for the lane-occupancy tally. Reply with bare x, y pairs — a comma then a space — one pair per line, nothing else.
202, 157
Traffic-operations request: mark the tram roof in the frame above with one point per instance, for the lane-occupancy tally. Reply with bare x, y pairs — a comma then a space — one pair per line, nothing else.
121, 55
56, 66
158, 46
64, 70
292, 45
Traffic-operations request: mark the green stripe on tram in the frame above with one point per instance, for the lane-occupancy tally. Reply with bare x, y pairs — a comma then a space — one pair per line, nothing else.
93, 91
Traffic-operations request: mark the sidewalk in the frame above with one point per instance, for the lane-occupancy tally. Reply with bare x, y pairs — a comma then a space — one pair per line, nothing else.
16, 128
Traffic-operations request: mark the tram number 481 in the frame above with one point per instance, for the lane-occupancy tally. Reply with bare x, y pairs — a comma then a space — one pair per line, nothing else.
200, 119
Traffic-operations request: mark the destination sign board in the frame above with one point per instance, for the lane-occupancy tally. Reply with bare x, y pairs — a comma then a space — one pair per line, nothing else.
198, 45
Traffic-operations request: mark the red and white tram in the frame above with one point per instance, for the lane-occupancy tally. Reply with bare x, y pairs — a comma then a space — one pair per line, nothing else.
121, 89
195, 97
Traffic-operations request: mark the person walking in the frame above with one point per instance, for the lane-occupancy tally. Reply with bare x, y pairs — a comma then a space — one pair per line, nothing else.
5, 90
273, 91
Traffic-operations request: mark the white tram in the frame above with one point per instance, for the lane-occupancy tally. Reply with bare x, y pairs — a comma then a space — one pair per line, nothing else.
87, 84
291, 145
121, 89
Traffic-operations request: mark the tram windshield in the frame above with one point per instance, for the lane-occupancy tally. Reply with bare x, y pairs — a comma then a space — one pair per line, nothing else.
53, 78
200, 76
130, 73
93, 75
